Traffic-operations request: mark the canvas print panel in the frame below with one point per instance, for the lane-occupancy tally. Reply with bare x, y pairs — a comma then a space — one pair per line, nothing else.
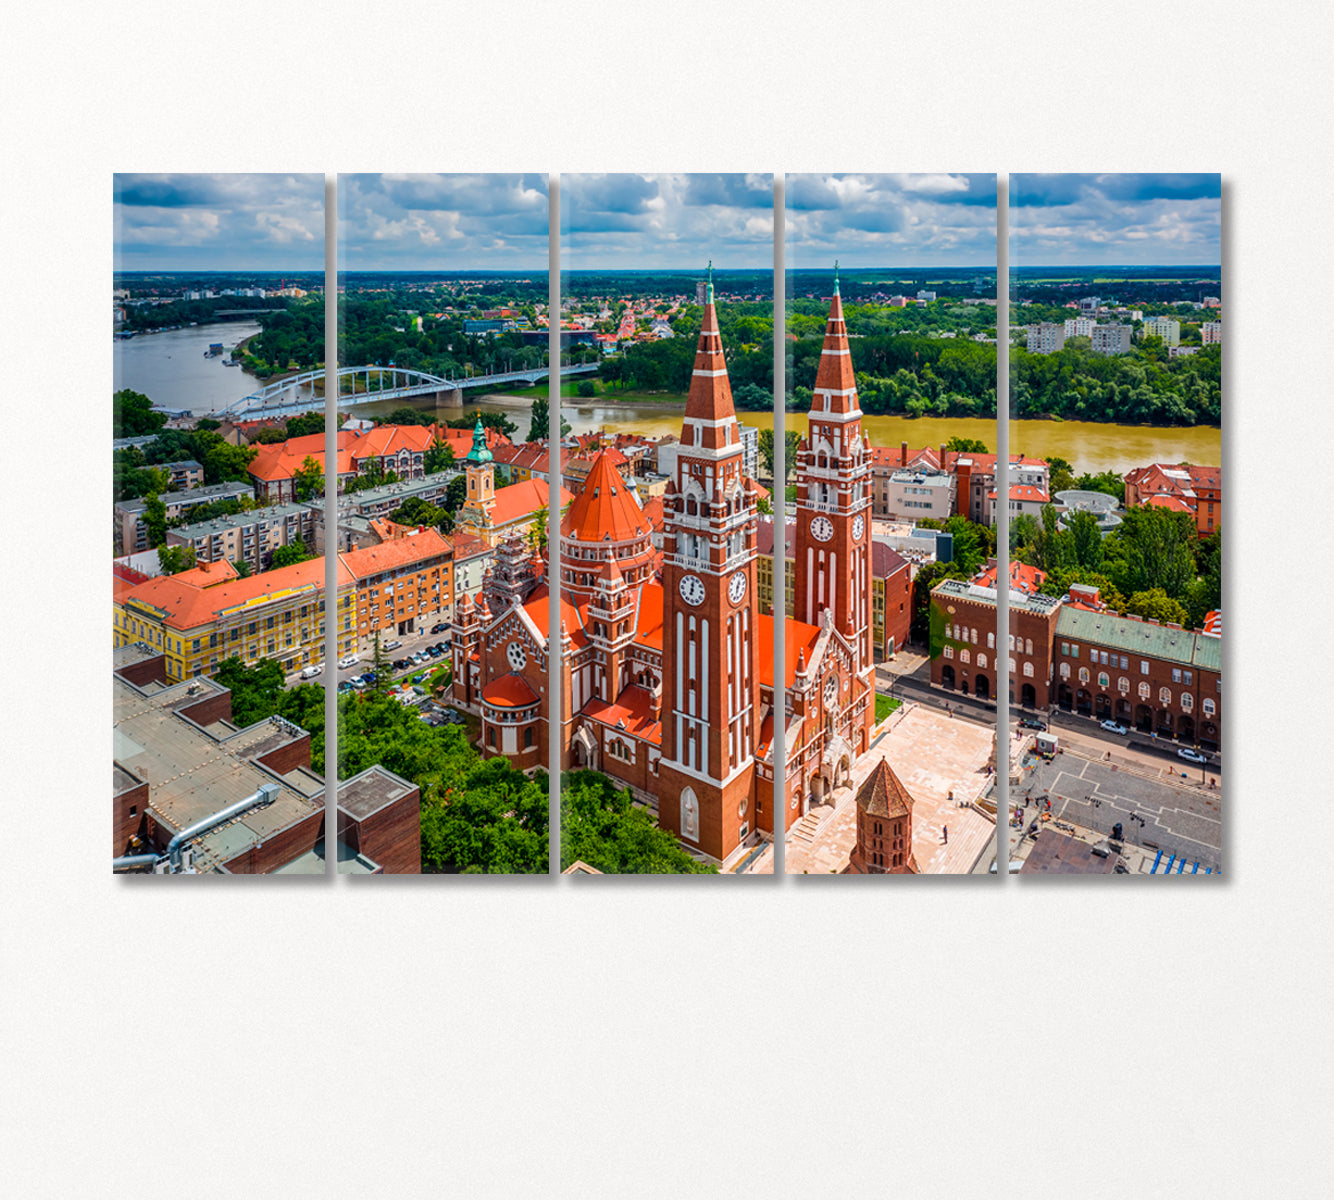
1116, 523
217, 583
891, 422
667, 348
443, 705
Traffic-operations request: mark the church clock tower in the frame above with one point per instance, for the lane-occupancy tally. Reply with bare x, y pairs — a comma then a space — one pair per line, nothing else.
833, 543
710, 687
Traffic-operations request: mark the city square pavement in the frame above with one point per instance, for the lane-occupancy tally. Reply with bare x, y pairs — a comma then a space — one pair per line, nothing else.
1180, 818
933, 755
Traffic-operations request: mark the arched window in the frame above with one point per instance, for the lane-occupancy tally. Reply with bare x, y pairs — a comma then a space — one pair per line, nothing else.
949, 651
1104, 680
1065, 670
1165, 697
1187, 702
689, 814
964, 656
1028, 670
1144, 691
1123, 685
981, 660
1028, 645
1208, 707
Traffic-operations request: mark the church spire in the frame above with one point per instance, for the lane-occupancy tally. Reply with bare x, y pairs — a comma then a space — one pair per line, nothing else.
710, 398
835, 373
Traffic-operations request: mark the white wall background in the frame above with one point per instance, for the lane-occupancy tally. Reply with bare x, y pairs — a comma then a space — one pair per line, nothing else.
503, 1039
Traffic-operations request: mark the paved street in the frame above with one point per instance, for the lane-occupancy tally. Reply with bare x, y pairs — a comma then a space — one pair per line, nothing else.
1178, 817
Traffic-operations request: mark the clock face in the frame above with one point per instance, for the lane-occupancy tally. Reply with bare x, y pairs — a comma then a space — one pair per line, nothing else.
822, 529
736, 587
517, 656
831, 690
857, 526
692, 589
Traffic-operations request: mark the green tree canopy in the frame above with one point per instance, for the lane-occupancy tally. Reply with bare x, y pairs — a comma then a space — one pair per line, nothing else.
132, 415
601, 826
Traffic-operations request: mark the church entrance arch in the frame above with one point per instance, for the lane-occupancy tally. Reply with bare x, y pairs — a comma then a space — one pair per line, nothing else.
584, 750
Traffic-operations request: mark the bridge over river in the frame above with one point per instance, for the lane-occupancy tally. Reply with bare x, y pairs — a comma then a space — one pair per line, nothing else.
296, 394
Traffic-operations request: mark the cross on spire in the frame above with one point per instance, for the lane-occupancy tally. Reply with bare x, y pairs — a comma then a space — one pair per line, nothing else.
710, 281
835, 277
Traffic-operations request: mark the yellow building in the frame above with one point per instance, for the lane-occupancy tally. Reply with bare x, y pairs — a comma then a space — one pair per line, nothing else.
203, 616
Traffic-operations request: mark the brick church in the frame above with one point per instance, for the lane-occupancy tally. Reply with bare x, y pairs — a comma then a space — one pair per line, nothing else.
665, 663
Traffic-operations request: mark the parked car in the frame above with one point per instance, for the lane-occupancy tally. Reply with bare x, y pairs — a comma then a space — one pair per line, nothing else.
393, 644
439, 627
358, 683
1192, 755
346, 686
370, 677
1112, 727
349, 661
311, 671
417, 678
401, 664
1031, 723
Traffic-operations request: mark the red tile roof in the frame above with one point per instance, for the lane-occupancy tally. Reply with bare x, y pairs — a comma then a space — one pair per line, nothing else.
606, 508
800, 637
398, 554
509, 691
188, 605
633, 707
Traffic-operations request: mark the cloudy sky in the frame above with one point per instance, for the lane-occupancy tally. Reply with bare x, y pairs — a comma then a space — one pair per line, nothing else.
1115, 220
442, 222
671, 222
219, 222
942, 220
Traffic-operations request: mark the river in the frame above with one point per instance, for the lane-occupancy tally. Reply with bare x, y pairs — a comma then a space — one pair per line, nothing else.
171, 368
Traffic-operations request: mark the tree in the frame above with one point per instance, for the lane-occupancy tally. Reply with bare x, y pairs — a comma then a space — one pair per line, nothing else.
132, 415
256, 691
270, 437
408, 416
602, 826
1153, 548
439, 457
1085, 540
380, 664
308, 479
765, 506
172, 560
455, 494
587, 389
1156, 604
293, 552
242, 567
537, 531
966, 445
1060, 475
791, 440
155, 520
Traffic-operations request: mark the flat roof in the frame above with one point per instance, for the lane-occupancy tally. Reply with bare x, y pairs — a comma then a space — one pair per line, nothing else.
1056, 854
375, 788
192, 774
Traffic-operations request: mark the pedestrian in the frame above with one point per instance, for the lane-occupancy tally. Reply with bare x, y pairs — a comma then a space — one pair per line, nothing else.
945, 831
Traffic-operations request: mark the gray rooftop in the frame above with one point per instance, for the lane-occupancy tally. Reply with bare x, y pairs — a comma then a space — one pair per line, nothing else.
1140, 637
274, 513
367, 793
199, 495
192, 774
403, 490
967, 590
